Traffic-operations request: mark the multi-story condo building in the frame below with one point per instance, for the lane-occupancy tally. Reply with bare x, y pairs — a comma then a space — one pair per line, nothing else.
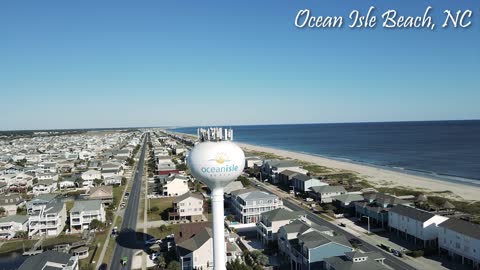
10, 225
415, 224
188, 206
271, 221
83, 212
460, 240
49, 220
248, 204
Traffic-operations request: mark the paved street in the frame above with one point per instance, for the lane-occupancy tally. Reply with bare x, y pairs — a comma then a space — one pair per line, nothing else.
128, 239
390, 260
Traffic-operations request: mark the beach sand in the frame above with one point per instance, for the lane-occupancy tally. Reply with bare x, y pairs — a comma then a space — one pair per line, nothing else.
379, 177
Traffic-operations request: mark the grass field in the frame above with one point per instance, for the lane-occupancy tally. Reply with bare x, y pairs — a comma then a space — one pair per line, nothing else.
163, 204
159, 234
10, 246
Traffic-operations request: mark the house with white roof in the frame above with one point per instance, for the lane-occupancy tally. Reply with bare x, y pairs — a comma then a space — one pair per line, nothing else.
91, 175
415, 224
174, 185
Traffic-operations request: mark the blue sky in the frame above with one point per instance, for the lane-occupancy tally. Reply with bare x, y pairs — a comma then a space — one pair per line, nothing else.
83, 64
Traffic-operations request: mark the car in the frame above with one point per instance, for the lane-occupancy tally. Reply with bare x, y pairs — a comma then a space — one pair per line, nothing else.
153, 241
355, 242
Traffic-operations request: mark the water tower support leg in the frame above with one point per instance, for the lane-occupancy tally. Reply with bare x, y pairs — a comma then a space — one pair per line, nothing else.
218, 230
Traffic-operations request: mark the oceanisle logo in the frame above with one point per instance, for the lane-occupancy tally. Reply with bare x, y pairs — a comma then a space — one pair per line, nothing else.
221, 159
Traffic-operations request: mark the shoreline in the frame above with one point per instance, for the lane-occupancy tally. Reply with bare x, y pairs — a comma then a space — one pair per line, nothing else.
380, 176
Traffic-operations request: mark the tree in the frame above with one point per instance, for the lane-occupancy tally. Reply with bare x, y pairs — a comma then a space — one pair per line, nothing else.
259, 257
96, 224
237, 265
21, 234
98, 182
173, 265
160, 261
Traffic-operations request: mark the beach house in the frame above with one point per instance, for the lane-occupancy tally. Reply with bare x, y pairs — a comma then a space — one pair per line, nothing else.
248, 204
44, 187
307, 246
415, 224
324, 193
302, 182
270, 168
49, 220
10, 203
374, 208
271, 221
460, 240
84, 212
189, 206
174, 185
10, 225
197, 252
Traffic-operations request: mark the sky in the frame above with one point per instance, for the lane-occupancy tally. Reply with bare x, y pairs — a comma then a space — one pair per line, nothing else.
93, 64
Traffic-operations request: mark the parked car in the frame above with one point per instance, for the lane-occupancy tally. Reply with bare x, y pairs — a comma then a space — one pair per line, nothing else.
355, 242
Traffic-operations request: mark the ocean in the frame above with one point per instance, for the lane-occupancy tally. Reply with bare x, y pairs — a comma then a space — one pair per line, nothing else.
448, 150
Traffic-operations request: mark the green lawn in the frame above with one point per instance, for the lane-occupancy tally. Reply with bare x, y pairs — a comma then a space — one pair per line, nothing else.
159, 234
62, 239
163, 204
10, 246
117, 194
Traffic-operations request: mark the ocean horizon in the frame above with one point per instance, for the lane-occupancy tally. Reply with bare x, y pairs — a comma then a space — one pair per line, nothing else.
446, 150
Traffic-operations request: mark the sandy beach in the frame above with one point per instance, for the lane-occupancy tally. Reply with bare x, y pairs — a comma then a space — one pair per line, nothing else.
378, 176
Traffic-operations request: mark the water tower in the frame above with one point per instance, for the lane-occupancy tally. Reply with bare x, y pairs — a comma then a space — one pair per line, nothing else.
216, 161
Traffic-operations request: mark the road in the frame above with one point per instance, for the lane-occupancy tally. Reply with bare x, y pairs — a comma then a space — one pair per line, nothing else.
390, 260
129, 223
